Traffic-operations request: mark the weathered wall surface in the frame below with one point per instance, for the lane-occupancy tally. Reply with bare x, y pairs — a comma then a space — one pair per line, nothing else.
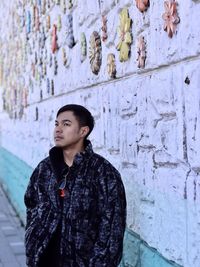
147, 119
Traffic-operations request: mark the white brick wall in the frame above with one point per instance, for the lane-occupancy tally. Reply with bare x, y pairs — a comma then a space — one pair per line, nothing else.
147, 121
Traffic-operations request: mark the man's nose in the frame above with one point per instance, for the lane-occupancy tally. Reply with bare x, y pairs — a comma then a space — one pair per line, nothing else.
58, 129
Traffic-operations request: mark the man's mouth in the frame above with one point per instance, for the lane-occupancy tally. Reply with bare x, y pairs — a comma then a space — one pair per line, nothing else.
58, 137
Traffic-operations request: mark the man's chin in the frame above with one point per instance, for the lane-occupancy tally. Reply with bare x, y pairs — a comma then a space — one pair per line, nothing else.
59, 145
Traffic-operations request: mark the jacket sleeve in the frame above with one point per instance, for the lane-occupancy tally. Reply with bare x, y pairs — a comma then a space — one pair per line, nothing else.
30, 197
112, 207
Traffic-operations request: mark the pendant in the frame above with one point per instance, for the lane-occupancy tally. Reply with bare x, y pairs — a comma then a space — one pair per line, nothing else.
62, 192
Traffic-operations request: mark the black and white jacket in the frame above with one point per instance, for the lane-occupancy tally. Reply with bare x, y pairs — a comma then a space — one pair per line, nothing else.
92, 216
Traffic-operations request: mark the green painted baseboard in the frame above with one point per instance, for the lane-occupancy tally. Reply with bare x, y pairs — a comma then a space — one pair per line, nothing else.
15, 174
137, 253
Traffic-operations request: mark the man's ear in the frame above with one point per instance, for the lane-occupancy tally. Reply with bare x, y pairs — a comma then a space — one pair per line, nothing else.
84, 131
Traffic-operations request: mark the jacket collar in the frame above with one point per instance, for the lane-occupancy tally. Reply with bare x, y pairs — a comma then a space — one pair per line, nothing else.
57, 160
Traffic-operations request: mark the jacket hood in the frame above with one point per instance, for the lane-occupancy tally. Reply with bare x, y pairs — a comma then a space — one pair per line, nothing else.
57, 160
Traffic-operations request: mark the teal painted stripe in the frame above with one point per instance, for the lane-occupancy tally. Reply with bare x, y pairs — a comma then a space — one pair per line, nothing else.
14, 175
137, 253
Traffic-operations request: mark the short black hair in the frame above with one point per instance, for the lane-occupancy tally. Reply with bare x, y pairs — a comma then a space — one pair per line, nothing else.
82, 114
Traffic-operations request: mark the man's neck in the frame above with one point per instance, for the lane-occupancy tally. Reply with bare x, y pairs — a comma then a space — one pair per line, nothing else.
70, 153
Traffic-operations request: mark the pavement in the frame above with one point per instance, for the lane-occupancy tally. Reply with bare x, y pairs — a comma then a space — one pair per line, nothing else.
12, 251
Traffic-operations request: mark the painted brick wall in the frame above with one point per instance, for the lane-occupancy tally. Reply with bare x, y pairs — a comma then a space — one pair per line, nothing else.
147, 120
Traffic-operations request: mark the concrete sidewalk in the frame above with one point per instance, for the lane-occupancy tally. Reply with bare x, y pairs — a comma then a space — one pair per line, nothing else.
12, 253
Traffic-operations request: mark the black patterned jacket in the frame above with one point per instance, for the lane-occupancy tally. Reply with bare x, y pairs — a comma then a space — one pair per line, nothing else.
92, 216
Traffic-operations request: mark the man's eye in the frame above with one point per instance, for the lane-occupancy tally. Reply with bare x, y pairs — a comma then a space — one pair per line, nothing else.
66, 124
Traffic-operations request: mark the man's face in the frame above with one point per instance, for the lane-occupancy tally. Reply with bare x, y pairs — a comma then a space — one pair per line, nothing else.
67, 131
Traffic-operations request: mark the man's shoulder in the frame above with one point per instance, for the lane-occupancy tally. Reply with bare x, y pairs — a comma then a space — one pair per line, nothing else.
103, 164
44, 163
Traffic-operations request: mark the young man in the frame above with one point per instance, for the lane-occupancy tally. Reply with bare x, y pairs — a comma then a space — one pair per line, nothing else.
76, 205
